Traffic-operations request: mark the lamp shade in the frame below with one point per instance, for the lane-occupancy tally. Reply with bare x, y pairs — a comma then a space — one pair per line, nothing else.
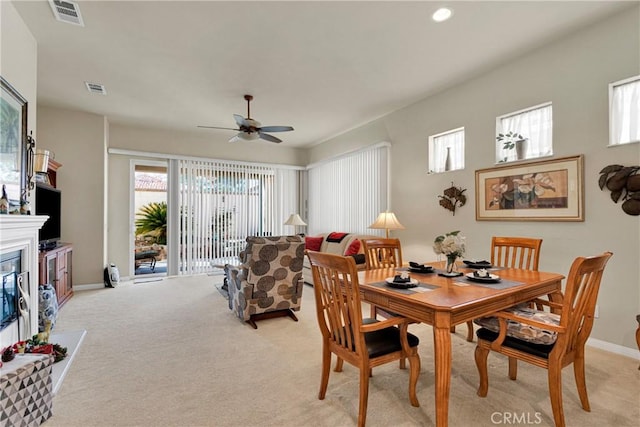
294, 219
387, 221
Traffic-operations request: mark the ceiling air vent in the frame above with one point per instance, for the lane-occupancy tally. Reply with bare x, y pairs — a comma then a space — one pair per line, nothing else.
66, 11
96, 88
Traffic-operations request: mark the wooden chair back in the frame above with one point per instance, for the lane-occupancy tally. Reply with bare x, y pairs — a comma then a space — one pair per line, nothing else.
579, 303
516, 252
338, 305
382, 253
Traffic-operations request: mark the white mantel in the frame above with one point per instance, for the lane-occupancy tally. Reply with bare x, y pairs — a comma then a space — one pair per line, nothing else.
20, 233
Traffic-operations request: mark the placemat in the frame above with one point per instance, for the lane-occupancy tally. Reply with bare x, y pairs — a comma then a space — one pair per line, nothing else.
503, 284
422, 287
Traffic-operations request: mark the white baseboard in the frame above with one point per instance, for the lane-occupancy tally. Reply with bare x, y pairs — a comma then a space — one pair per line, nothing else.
613, 348
88, 287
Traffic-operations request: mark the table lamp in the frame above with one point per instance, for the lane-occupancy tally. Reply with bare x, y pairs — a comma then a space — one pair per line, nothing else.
387, 221
295, 220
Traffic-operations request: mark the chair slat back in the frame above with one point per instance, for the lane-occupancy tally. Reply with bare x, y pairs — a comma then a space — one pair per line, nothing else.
338, 305
516, 252
580, 296
382, 253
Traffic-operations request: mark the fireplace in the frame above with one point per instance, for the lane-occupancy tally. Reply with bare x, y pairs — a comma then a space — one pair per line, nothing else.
19, 260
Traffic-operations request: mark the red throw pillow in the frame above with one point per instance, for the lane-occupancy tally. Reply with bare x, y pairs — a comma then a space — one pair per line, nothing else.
313, 243
353, 248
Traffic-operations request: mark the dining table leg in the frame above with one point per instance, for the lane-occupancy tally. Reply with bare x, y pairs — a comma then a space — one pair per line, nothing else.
442, 356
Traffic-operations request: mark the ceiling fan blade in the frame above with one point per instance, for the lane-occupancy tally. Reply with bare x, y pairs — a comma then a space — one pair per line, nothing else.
216, 127
240, 120
275, 128
234, 138
268, 137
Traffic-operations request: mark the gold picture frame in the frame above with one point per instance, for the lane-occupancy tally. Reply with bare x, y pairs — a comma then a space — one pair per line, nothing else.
546, 190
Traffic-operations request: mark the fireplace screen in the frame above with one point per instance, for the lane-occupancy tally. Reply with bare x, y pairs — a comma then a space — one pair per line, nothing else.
10, 296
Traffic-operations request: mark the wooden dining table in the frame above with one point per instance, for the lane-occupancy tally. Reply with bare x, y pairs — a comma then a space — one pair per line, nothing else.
447, 302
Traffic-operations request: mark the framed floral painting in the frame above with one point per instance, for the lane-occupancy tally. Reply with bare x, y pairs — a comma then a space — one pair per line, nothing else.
548, 190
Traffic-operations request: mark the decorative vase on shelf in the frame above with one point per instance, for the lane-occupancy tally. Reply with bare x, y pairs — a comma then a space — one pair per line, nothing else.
452, 267
521, 149
447, 161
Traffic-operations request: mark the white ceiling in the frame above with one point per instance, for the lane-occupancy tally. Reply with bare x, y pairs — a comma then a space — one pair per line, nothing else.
321, 67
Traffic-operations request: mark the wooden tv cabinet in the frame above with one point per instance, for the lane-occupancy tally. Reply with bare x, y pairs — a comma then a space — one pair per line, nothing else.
55, 268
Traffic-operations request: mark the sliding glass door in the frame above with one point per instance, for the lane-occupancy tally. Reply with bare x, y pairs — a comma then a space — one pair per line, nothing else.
220, 203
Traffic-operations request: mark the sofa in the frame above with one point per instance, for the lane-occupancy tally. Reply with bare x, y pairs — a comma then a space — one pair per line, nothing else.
346, 244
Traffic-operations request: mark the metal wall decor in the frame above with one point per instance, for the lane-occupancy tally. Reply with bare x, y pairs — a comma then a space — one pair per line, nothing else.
452, 198
624, 184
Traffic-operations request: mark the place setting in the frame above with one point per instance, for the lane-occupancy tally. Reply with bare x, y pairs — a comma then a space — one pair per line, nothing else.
416, 267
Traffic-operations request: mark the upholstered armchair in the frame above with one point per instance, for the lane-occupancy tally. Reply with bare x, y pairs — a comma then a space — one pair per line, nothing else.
268, 282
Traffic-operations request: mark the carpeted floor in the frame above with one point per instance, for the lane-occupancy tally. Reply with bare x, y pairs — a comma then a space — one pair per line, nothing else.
171, 353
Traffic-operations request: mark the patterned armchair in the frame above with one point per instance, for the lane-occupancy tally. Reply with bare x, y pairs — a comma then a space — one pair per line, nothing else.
268, 282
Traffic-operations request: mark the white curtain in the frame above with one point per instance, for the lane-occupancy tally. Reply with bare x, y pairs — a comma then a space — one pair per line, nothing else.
221, 203
625, 112
535, 124
454, 141
347, 193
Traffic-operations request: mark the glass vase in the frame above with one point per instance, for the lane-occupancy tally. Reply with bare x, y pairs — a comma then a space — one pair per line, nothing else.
452, 267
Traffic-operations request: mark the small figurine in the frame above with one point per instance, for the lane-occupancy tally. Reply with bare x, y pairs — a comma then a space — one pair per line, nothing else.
4, 201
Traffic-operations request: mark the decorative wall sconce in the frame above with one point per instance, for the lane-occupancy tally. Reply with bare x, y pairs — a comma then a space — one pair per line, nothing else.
452, 198
623, 182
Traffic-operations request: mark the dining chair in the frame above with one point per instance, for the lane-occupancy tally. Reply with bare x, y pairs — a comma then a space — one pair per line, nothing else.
512, 252
545, 339
364, 343
381, 253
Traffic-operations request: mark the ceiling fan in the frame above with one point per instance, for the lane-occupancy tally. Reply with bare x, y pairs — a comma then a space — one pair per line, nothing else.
249, 129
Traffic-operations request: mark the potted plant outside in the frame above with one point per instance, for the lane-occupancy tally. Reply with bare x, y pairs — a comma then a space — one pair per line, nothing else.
513, 140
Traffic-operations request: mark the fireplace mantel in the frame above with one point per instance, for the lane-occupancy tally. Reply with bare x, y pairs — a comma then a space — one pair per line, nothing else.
20, 233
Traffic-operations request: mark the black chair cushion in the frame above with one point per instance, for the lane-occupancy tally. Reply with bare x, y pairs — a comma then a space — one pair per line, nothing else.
539, 350
386, 340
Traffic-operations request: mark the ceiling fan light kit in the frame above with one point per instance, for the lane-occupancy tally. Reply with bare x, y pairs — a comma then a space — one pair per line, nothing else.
250, 129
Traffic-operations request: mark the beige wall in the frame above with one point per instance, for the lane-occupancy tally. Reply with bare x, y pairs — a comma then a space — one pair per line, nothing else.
573, 74
77, 139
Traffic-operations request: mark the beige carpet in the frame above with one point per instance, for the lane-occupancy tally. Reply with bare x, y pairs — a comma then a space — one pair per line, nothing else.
170, 353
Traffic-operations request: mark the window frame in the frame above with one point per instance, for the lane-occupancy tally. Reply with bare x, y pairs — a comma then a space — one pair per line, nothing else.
431, 166
499, 130
612, 86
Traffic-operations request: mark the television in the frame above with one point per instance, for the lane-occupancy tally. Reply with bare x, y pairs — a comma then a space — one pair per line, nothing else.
49, 202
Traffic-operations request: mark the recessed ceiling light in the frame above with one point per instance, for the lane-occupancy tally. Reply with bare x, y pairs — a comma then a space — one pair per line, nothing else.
442, 14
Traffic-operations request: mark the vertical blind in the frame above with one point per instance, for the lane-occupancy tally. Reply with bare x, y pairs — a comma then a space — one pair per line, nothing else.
221, 203
347, 193
625, 111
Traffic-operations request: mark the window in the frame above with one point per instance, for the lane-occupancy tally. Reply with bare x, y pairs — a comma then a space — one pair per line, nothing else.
624, 111
348, 192
525, 134
446, 151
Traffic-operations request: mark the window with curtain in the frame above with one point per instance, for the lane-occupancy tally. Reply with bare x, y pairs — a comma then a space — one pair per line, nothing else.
221, 203
534, 124
347, 193
446, 151
624, 111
